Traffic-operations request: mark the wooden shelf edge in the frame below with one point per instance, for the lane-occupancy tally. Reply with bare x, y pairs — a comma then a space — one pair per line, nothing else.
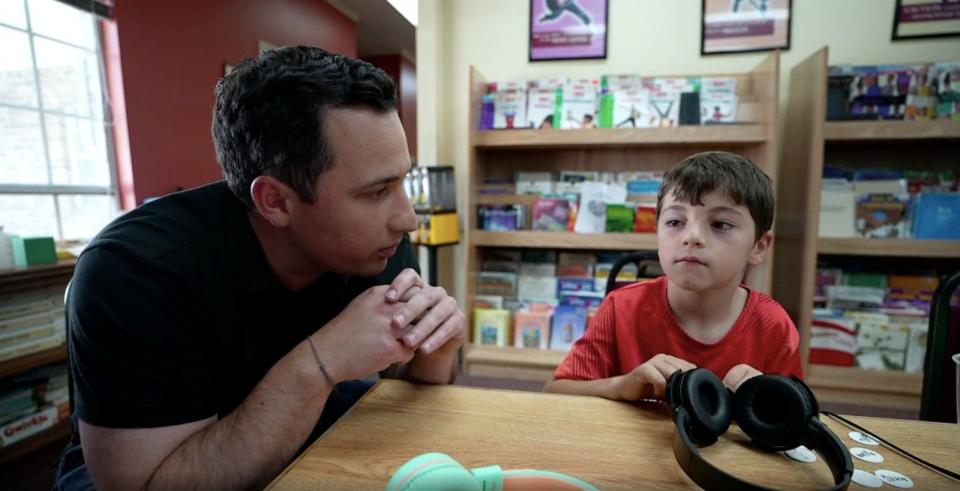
890, 130
855, 379
563, 240
890, 247
59, 432
33, 360
510, 355
619, 137
511, 363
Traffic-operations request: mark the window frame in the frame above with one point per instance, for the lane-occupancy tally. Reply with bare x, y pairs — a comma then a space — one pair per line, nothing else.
55, 191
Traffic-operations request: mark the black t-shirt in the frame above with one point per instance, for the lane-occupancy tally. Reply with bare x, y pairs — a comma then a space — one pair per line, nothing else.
174, 314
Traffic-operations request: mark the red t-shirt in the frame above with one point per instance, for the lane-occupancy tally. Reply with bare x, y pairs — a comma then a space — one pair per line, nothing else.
635, 323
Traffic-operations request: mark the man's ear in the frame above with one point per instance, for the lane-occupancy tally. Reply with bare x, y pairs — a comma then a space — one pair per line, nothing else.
760, 249
272, 199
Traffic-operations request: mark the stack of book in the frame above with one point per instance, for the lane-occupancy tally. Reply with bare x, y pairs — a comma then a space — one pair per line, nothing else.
32, 402
871, 320
31, 321
610, 101
541, 299
575, 201
889, 203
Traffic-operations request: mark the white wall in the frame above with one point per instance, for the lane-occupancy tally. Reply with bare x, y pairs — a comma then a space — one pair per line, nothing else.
650, 37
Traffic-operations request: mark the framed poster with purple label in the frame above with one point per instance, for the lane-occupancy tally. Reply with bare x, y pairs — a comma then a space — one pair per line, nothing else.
568, 29
916, 19
739, 26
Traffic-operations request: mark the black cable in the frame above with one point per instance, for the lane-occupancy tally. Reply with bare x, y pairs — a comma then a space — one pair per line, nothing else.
945, 472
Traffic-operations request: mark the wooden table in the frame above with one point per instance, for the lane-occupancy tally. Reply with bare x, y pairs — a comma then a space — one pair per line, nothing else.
612, 445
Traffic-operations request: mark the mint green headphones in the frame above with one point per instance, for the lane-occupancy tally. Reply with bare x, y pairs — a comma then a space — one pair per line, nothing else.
437, 471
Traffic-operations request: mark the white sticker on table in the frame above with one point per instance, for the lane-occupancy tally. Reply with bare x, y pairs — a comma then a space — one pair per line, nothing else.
866, 479
801, 454
866, 455
894, 479
863, 438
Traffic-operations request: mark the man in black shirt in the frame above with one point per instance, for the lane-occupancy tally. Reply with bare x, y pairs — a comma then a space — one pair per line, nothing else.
209, 328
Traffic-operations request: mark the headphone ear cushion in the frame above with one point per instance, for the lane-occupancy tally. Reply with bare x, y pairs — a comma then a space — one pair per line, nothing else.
707, 403
773, 411
433, 472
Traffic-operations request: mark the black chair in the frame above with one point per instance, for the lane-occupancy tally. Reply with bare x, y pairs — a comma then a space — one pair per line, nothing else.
938, 399
633, 257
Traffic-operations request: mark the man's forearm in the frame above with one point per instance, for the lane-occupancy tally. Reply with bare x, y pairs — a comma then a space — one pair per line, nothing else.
252, 444
438, 367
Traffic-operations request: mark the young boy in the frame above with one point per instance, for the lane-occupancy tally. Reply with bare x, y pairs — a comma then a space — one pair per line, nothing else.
714, 213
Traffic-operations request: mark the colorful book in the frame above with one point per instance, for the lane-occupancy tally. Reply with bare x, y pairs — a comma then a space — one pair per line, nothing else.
491, 327
531, 330
569, 324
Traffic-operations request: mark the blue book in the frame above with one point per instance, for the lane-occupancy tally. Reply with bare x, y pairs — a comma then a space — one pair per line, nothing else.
937, 216
584, 299
568, 326
573, 284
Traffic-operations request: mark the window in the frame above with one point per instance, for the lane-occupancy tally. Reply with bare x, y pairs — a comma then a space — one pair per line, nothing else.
57, 175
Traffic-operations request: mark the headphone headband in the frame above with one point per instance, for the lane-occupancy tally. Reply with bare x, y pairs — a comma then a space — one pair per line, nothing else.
815, 436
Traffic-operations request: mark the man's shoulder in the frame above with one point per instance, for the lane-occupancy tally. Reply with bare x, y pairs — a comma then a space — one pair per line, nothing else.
170, 224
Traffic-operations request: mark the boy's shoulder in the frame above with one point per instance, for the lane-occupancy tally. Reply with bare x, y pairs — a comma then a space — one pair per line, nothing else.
641, 292
767, 313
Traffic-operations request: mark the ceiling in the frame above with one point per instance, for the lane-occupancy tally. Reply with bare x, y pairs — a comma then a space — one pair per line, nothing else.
381, 30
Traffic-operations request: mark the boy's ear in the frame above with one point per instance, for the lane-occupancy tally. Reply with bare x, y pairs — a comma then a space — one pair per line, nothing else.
273, 199
759, 252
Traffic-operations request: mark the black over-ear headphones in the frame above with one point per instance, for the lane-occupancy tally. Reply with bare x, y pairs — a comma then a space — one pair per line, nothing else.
777, 413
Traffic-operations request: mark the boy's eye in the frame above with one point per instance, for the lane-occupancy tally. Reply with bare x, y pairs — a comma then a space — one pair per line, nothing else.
722, 225
673, 222
379, 193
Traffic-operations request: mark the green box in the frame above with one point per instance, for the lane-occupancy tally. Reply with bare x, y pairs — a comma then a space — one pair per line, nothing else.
30, 251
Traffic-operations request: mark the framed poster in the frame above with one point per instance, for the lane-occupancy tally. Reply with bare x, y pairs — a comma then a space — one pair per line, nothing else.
568, 29
740, 26
917, 19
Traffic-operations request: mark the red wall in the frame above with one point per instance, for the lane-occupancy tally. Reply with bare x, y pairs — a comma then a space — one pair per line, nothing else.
172, 54
404, 73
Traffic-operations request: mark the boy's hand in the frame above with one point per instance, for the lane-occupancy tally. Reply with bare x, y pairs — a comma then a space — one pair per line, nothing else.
649, 380
738, 375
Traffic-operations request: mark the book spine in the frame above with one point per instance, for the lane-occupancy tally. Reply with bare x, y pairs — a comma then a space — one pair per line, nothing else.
27, 426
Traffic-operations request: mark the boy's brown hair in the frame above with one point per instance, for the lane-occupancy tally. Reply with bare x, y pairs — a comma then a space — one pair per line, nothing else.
734, 176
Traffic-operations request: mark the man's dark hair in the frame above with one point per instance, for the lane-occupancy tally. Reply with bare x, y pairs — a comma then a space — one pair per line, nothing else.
733, 175
269, 114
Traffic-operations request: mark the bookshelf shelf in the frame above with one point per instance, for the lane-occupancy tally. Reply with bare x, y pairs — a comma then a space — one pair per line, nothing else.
56, 434
899, 390
510, 362
890, 247
35, 276
564, 240
873, 131
495, 156
620, 137
31, 361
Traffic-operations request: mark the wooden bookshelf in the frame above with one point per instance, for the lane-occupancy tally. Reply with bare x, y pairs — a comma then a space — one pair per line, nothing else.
31, 361
908, 145
621, 137
55, 435
890, 247
564, 240
872, 131
25, 279
497, 155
